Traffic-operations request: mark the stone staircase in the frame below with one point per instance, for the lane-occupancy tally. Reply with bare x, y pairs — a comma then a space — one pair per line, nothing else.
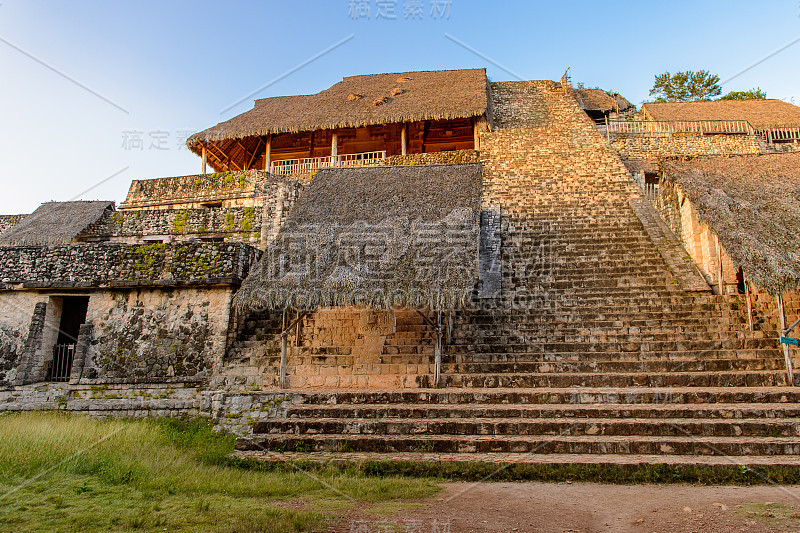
594, 353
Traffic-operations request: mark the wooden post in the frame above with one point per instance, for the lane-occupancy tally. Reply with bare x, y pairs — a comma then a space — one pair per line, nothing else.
787, 355
749, 303
335, 149
205, 158
719, 265
404, 139
476, 129
608, 134
268, 154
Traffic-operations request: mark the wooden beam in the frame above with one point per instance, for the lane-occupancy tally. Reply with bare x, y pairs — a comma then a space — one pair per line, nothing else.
255, 153
268, 158
205, 159
404, 138
334, 145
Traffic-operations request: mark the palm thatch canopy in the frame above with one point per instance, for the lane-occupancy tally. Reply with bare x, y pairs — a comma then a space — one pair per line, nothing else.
762, 114
404, 236
55, 223
752, 203
595, 100
360, 101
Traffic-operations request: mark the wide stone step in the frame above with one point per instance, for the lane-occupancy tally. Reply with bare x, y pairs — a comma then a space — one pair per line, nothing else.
654, 411
502, 354
503, 427
655, 379
544, 395
517, 343
499, 459
579, 444
712, 365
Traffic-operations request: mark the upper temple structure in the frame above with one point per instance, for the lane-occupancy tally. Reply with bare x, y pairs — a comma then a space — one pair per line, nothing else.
434, 267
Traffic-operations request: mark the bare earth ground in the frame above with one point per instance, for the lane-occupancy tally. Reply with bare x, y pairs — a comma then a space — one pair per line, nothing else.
585, 508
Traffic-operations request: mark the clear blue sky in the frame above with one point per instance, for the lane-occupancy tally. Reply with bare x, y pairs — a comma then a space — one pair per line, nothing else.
174, 65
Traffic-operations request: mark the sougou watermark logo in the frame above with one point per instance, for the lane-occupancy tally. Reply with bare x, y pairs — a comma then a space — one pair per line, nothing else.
395, 10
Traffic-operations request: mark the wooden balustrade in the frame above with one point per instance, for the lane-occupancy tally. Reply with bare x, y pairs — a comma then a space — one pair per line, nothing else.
310, 164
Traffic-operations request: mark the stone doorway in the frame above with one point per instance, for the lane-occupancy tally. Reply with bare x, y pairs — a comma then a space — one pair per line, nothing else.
73, 316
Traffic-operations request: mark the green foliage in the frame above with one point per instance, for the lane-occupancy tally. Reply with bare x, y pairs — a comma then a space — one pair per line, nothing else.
179, 222
752, 94
686, 86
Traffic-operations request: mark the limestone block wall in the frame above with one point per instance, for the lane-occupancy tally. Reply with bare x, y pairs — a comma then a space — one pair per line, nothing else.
156, 334
16, 314
9, 221
112, 264
144, 335
453, 157
698, 239
239, 224
247, 188
632, 147
346, 347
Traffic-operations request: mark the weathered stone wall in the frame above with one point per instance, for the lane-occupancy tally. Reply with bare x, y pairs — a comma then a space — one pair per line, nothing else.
106, 401
632, 147
240, 224
9, 221
250, 188
16, 310
453, 157
154, 334
698, 239
144, 335
110, 264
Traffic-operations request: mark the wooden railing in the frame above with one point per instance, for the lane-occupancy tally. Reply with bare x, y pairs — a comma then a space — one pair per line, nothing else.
780, 134
677, 126
310, 164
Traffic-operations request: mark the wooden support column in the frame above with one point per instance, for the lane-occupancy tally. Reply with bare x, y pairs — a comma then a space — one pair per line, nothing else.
205, 158
268, 154
335, 149
787, 354
404, 139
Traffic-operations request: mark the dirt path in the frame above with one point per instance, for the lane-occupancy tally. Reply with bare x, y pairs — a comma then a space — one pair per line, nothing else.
587, 508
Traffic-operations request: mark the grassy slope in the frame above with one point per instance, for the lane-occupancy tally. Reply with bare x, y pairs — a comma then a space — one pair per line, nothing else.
68, 473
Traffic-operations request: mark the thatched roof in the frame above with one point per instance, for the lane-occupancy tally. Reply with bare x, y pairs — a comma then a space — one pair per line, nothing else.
753, 204
595, 100
762, 114
55, 223
360, 101
623, 103
381, 236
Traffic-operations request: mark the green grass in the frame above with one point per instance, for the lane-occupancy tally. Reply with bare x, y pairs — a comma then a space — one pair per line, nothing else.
71, 473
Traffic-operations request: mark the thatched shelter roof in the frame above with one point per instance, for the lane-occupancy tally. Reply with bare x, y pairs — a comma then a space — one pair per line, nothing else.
623, 103
360, 101
381, 236
752, 203
55, 223
762, 114
595, 100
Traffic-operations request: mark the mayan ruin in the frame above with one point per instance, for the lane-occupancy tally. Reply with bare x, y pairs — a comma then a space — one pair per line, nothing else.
430, 266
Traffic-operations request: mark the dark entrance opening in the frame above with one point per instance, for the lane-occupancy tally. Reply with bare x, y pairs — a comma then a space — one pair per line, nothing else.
73, 316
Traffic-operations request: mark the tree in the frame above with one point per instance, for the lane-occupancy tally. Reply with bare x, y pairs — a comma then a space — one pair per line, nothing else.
752, 94
686, 86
